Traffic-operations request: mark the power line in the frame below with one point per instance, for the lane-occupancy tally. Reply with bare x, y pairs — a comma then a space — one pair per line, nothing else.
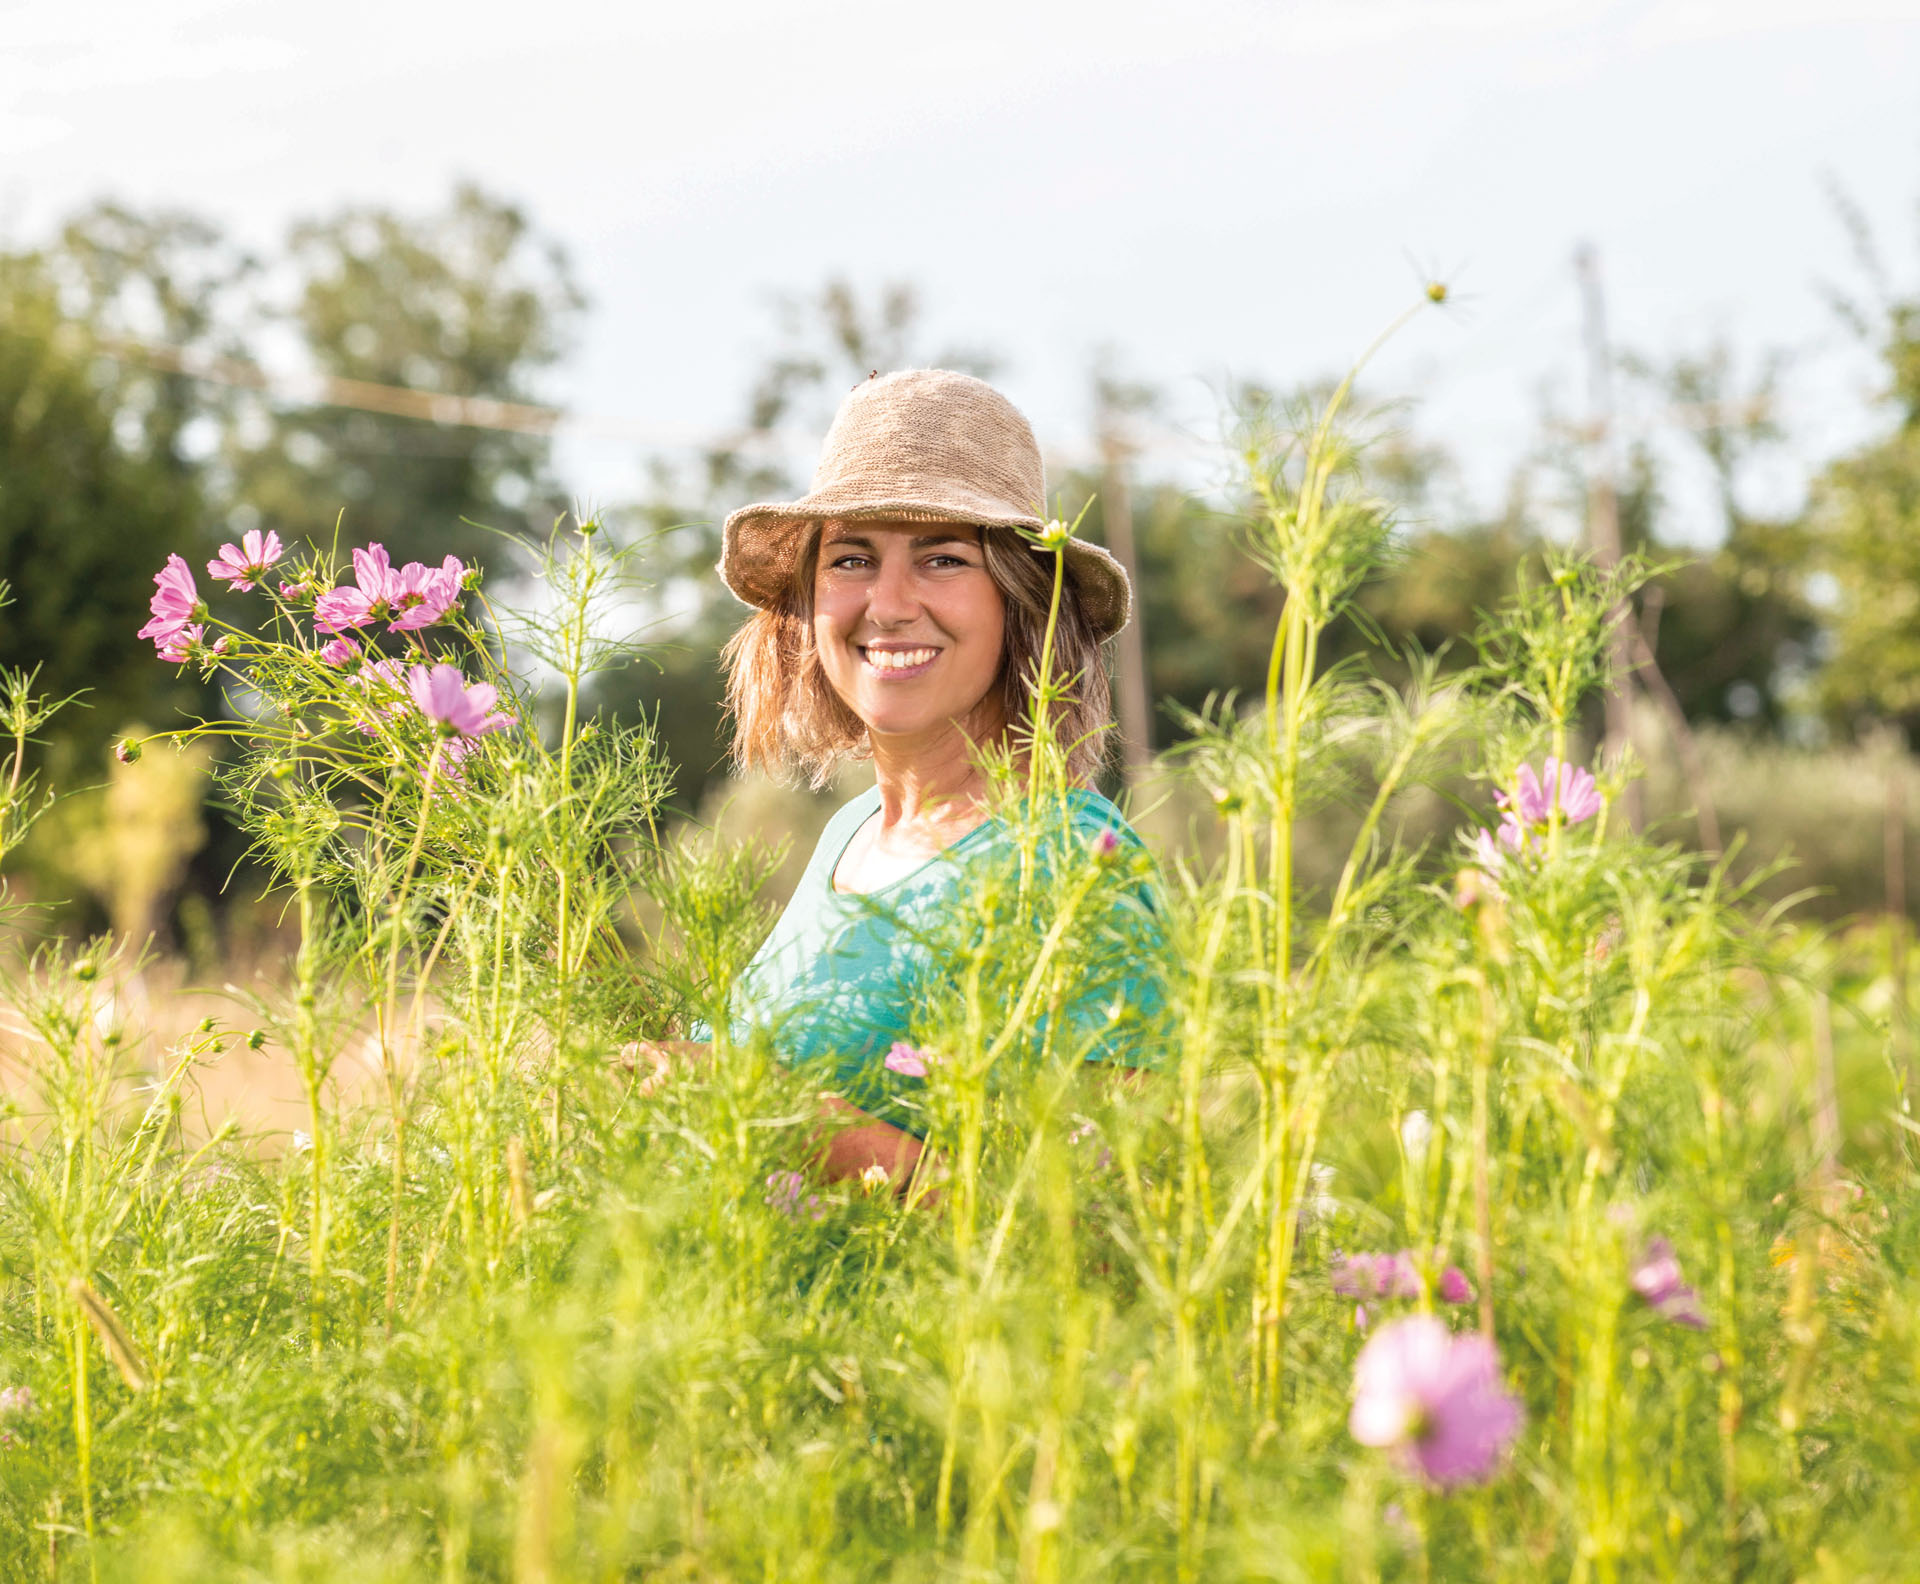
400, 401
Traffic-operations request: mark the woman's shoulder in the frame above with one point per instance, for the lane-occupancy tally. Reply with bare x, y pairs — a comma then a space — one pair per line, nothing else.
850, 816
1092, 813
846, 819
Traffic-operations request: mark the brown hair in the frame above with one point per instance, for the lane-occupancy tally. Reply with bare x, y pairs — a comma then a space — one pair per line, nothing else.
788, 719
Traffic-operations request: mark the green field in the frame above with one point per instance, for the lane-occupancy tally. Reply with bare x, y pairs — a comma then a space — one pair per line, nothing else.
1635, 1138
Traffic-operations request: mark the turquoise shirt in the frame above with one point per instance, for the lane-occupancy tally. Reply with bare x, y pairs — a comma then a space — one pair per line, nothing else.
838, 980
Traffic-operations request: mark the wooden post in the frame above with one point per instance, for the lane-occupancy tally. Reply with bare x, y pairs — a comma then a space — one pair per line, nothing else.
1894, 849
1603, 519
1114, 401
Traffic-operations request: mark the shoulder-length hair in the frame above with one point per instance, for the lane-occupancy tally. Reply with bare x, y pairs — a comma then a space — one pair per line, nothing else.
789, 721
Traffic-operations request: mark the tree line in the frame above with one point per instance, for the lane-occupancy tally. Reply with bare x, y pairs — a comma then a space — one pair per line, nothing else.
116, 449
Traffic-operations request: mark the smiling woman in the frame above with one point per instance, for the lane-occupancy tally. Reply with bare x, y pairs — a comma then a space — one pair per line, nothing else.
903, 616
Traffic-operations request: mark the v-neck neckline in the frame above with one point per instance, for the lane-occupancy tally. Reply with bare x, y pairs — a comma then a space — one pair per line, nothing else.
914, 873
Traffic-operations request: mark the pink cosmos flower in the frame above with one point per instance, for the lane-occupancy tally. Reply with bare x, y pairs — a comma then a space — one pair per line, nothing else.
1374, 1276
294, 592
783, 1193
1491, 848
338, 651
368, 598
904, 1059
16, 1400
175, 603
178, 644
385, 683
242, 565
1534, 795
1656, 1278
1106, 846
1435, 1398
422, 595
456, 708
1393, 1276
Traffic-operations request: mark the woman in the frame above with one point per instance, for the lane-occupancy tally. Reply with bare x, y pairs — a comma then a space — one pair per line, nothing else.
901, 617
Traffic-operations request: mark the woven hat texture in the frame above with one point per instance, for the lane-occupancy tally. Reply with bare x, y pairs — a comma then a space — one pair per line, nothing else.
920, 445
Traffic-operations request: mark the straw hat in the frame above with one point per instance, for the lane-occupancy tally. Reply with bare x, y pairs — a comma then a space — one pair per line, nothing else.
920, 445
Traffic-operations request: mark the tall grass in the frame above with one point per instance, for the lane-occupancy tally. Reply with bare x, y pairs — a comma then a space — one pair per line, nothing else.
527, 1318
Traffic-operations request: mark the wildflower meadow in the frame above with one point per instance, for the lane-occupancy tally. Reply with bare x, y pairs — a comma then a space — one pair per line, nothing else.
1539, 1206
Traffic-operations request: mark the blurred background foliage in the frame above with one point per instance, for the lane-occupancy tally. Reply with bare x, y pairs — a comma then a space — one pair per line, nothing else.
134, 422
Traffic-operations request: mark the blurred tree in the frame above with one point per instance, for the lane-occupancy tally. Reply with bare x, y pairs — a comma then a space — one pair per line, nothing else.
91, 503
468, 302
1733, 631
1865, 520
168, 280
1209, 611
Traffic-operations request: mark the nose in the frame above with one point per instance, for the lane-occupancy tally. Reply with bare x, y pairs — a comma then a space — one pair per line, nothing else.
892, 600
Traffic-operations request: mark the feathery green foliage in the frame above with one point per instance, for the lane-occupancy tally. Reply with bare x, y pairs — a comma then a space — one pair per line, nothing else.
532, 1318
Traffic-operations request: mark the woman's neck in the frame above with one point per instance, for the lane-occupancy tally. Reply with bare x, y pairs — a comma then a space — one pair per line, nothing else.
929, 782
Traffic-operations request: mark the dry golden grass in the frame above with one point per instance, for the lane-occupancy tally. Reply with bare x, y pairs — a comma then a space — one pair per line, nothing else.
157, 1009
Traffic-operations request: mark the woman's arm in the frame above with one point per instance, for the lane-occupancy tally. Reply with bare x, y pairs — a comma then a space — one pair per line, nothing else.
855, 1144
864, 1141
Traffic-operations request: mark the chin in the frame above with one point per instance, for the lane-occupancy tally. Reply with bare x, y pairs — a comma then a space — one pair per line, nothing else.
894, 723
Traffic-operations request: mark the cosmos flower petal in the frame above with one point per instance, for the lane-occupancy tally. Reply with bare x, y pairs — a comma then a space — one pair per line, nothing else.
904, 1059
373, 571
1436, 1399
340, 609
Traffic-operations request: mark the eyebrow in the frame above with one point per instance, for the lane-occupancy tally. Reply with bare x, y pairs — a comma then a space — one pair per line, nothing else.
920, 541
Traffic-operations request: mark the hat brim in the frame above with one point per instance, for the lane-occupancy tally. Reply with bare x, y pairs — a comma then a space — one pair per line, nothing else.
759, 543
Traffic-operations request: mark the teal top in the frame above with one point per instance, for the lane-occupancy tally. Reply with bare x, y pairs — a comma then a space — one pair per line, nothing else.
838, 980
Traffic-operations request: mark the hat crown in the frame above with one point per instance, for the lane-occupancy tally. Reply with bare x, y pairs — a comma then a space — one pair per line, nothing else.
932, 432
919, 445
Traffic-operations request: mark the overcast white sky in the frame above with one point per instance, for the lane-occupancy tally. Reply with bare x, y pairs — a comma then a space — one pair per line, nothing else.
1216, 187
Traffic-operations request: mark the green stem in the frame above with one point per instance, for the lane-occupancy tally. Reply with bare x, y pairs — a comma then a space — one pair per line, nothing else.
389, 1060
307, 1056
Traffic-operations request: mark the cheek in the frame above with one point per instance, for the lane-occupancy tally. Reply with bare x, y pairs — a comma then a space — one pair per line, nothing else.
828, 615
994, 629
986, 634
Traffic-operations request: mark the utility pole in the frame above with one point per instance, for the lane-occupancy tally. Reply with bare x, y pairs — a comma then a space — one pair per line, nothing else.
1114, 402
1603, 517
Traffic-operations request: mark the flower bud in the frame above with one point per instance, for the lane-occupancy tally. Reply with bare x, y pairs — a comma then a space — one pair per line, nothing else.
256, 1039
127, 750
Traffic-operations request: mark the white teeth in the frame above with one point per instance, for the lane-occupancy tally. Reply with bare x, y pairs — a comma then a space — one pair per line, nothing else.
898, 659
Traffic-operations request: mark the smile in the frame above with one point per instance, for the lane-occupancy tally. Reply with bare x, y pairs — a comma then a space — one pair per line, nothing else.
899, 662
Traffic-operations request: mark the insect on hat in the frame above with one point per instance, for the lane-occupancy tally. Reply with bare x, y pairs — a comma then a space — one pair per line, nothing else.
920, 445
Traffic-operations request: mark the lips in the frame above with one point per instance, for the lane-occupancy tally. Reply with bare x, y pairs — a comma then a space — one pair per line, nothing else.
895, 661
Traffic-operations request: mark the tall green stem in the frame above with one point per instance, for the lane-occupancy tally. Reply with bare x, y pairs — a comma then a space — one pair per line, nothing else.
306, 1052
389, 1019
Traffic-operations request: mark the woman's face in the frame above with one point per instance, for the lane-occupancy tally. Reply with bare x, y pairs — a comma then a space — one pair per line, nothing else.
908, 624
